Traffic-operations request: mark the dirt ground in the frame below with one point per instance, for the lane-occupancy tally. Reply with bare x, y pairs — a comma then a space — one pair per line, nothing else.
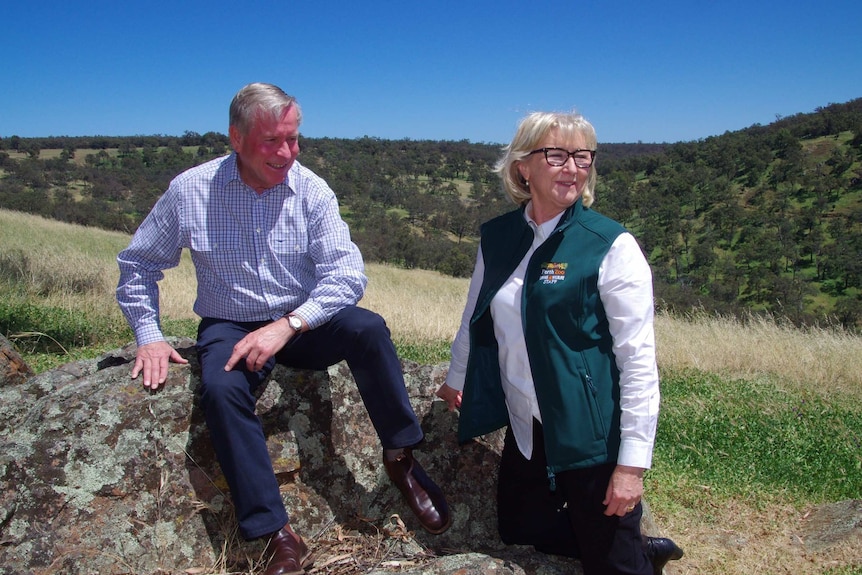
732, 540
739, 540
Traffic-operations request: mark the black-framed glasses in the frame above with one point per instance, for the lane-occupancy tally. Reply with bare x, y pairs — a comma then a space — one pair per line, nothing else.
558, 157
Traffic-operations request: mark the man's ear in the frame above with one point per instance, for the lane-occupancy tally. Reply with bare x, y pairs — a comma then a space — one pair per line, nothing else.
235, 137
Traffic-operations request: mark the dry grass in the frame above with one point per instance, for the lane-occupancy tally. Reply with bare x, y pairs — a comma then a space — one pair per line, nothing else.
426, 306
829, 360
68, 266
418, 305
726, 537
741, 538
733, 536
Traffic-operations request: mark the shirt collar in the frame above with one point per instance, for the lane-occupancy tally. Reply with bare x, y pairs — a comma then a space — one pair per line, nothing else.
232, 174
542, 231
231, 169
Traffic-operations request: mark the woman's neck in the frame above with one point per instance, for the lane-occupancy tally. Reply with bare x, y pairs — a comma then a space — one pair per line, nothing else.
541, 216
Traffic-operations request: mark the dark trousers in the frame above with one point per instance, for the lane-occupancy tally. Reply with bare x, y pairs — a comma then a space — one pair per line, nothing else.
228, 402
570, 520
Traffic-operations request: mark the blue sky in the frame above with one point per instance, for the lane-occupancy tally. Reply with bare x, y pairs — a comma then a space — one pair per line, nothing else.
448, 70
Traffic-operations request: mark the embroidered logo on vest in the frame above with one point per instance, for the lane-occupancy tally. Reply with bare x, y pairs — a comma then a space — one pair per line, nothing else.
552, 272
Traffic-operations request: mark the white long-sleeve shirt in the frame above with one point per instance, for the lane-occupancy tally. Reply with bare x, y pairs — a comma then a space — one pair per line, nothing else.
625, 288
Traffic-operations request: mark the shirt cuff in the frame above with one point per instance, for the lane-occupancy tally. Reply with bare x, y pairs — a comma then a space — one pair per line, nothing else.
455, 379
149, 333
312, 313
635, 453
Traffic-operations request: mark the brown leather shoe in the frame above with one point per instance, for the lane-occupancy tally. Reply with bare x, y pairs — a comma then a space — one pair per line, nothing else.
424, 497
288, 554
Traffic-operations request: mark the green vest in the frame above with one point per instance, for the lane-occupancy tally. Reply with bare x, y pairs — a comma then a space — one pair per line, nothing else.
566, 330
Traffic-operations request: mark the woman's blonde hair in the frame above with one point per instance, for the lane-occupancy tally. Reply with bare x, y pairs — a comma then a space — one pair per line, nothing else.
532, 130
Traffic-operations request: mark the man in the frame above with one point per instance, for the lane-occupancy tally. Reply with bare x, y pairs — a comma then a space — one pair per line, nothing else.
278, 282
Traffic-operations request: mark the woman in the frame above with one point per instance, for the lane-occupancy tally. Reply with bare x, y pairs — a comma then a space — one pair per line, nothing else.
557, 342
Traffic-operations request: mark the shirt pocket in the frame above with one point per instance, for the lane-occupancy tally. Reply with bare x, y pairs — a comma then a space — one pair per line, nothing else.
222, 251
286, 243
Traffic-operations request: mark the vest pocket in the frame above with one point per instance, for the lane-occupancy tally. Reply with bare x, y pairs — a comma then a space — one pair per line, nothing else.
600, 428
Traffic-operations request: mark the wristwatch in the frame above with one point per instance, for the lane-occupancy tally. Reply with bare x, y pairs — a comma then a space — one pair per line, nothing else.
294, 322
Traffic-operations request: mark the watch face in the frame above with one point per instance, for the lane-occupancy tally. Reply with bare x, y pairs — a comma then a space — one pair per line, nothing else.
295, 322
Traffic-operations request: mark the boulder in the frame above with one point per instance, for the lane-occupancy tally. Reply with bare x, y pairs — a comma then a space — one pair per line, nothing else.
13, 368
99, 475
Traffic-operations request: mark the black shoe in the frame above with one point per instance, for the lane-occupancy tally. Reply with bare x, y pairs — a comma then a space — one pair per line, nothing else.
660, 550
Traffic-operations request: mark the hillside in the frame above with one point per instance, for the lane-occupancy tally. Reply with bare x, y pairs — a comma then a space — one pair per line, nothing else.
767, 219
760, 424
58, 282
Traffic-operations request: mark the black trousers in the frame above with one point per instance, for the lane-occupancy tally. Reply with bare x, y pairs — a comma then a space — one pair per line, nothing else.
227, 399
570, 520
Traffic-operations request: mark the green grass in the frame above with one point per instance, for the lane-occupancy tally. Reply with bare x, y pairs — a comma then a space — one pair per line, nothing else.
741, 438
427, 353
730, 448
738, 437
48, 336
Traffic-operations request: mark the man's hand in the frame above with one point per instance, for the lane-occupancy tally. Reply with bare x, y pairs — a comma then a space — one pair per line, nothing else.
152, 360
625, 490
260, 345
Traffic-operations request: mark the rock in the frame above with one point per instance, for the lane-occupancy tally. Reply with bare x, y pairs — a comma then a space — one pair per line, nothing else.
13, 368
98, 475
833, 523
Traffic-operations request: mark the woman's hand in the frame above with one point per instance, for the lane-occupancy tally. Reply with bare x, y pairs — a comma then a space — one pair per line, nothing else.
625, 490
452, 397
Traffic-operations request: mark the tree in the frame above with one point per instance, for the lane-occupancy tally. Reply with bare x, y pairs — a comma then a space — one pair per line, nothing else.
461, 219
848, 310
